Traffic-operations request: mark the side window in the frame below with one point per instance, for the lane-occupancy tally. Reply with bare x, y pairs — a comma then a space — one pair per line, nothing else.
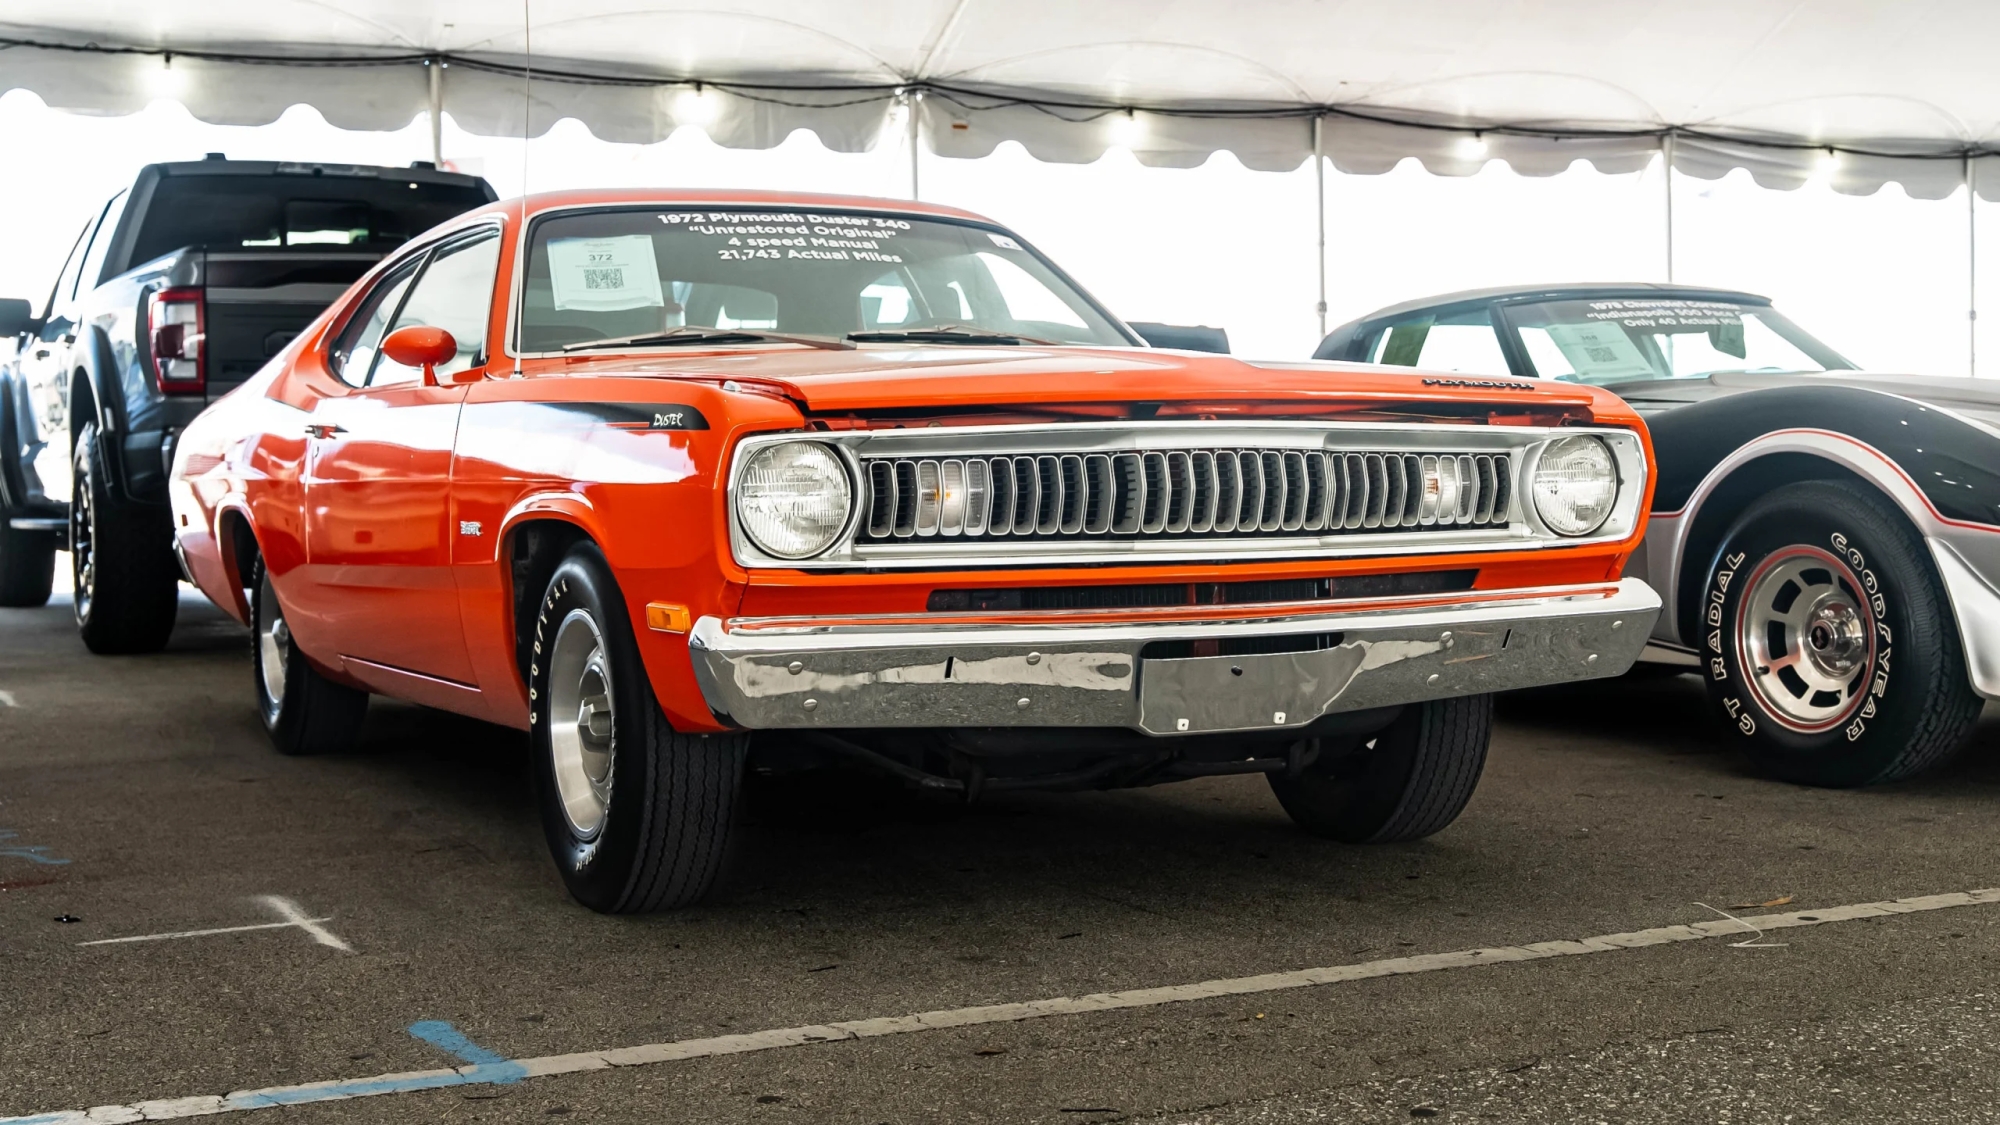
455, 293
354, 350
66, 280
1464, 343
100, 245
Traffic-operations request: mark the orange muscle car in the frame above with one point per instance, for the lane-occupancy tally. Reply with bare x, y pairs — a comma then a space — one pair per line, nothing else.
679, 481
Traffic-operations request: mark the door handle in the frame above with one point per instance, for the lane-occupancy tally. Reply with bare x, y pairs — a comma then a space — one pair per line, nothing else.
323, 429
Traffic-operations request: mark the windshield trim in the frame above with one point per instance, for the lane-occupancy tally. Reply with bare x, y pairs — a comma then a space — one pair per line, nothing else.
518, 283
1516, 350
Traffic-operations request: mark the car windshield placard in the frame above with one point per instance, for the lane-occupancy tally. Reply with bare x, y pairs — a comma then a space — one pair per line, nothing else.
1613, 340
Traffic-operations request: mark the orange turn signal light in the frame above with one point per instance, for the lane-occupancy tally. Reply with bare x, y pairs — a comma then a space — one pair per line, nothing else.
666, 617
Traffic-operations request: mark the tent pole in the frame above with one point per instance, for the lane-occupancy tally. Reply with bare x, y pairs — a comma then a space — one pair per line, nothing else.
437, 110
1667, 193
910, 104
1971, 271
1319, 197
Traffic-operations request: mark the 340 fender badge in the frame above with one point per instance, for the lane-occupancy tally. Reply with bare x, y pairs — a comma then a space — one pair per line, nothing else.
1480, 384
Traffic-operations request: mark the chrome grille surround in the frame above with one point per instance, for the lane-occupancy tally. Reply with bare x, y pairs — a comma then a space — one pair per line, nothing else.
1143, 492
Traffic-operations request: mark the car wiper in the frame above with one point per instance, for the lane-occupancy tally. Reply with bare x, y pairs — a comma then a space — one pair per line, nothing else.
946, 334
695, 334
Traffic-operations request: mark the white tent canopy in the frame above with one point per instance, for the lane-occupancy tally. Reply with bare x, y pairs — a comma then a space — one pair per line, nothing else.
1861, 93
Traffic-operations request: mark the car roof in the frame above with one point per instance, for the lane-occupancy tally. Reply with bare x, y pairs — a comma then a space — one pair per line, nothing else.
1562, 292
739, 197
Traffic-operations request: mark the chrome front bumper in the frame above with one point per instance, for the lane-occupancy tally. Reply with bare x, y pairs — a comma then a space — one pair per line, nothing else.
859, 673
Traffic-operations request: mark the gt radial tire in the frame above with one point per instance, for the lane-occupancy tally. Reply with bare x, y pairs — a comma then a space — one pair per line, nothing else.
1407, 782
639, 816
1828, 643
122, 559
27, 566
303, 711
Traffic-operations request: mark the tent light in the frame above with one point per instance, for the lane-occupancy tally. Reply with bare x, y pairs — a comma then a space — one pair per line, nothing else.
1829, 161
1126, 129
696, 106
166, 82
1472, 147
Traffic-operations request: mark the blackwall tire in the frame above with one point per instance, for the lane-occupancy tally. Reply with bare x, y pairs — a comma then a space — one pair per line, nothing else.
1408, 781
638, 816
1828, 643
303, 711
27, 566
121, 560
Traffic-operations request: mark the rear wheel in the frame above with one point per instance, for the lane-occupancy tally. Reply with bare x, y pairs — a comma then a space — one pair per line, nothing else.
303, 711
27, 565
1828, 641
638, 816
122, 561
1404, 783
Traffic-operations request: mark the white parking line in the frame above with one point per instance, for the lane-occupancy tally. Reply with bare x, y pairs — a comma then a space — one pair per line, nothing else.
382, 1084
294, 918
7, 699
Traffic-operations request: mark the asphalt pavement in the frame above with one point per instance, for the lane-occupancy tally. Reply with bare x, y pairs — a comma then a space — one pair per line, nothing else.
408, 920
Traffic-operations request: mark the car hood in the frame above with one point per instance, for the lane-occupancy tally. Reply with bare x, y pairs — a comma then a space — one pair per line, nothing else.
873, 378
1974, 398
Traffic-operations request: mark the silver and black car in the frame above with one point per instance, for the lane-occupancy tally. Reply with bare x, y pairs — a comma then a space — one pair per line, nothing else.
1826, 540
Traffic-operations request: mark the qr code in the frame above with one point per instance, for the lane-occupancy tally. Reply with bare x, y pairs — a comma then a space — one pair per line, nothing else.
1597, 355
604, 278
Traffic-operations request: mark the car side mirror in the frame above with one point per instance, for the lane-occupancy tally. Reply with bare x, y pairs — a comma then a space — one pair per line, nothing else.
1186, 337
421, 345
16, 316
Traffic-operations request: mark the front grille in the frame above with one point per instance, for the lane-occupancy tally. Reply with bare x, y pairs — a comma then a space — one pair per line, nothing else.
1181, 494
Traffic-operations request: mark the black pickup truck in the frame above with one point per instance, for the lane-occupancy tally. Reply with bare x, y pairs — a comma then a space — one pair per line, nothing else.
178, 289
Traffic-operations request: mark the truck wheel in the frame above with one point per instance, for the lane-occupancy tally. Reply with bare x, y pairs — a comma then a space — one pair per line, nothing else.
303, 711
1828, 642
638, 816
27, 565
1404, 783
122, 559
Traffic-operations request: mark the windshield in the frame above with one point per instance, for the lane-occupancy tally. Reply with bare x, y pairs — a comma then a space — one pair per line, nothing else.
610, 274
1620, 340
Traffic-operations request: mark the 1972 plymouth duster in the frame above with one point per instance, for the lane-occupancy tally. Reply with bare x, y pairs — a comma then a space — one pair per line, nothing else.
674, 480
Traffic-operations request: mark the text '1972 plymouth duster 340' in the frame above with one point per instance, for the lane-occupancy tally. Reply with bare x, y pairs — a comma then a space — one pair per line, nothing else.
678, 480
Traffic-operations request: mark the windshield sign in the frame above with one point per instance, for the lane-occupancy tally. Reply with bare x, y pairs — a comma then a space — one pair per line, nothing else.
630, 274
1619, 340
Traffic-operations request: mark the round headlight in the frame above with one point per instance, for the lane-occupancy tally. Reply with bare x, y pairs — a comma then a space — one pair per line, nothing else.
1575, 485
793, 499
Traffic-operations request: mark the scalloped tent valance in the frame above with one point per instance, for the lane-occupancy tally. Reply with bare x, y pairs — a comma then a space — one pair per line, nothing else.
1789, 89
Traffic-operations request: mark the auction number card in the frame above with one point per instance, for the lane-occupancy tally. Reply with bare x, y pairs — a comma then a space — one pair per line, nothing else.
605, 274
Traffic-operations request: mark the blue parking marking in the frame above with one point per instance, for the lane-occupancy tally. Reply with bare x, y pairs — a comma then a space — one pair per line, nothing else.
487, 1066
33, 853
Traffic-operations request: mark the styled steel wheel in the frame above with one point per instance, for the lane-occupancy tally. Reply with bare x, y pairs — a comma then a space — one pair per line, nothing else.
304, 712
1828, 643
1804, 637
638, 816
581, 717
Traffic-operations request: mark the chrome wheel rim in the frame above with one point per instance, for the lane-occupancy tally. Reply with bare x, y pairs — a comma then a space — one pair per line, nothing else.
1805, 639
82, 553
274, 648
581, 723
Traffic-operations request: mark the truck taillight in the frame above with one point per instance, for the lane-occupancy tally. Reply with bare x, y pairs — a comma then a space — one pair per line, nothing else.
176, 316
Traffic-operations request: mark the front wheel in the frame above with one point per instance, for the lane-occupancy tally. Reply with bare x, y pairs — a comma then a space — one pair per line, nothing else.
122, 561
1828, 642
1404, 783
638, 816
27, 565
